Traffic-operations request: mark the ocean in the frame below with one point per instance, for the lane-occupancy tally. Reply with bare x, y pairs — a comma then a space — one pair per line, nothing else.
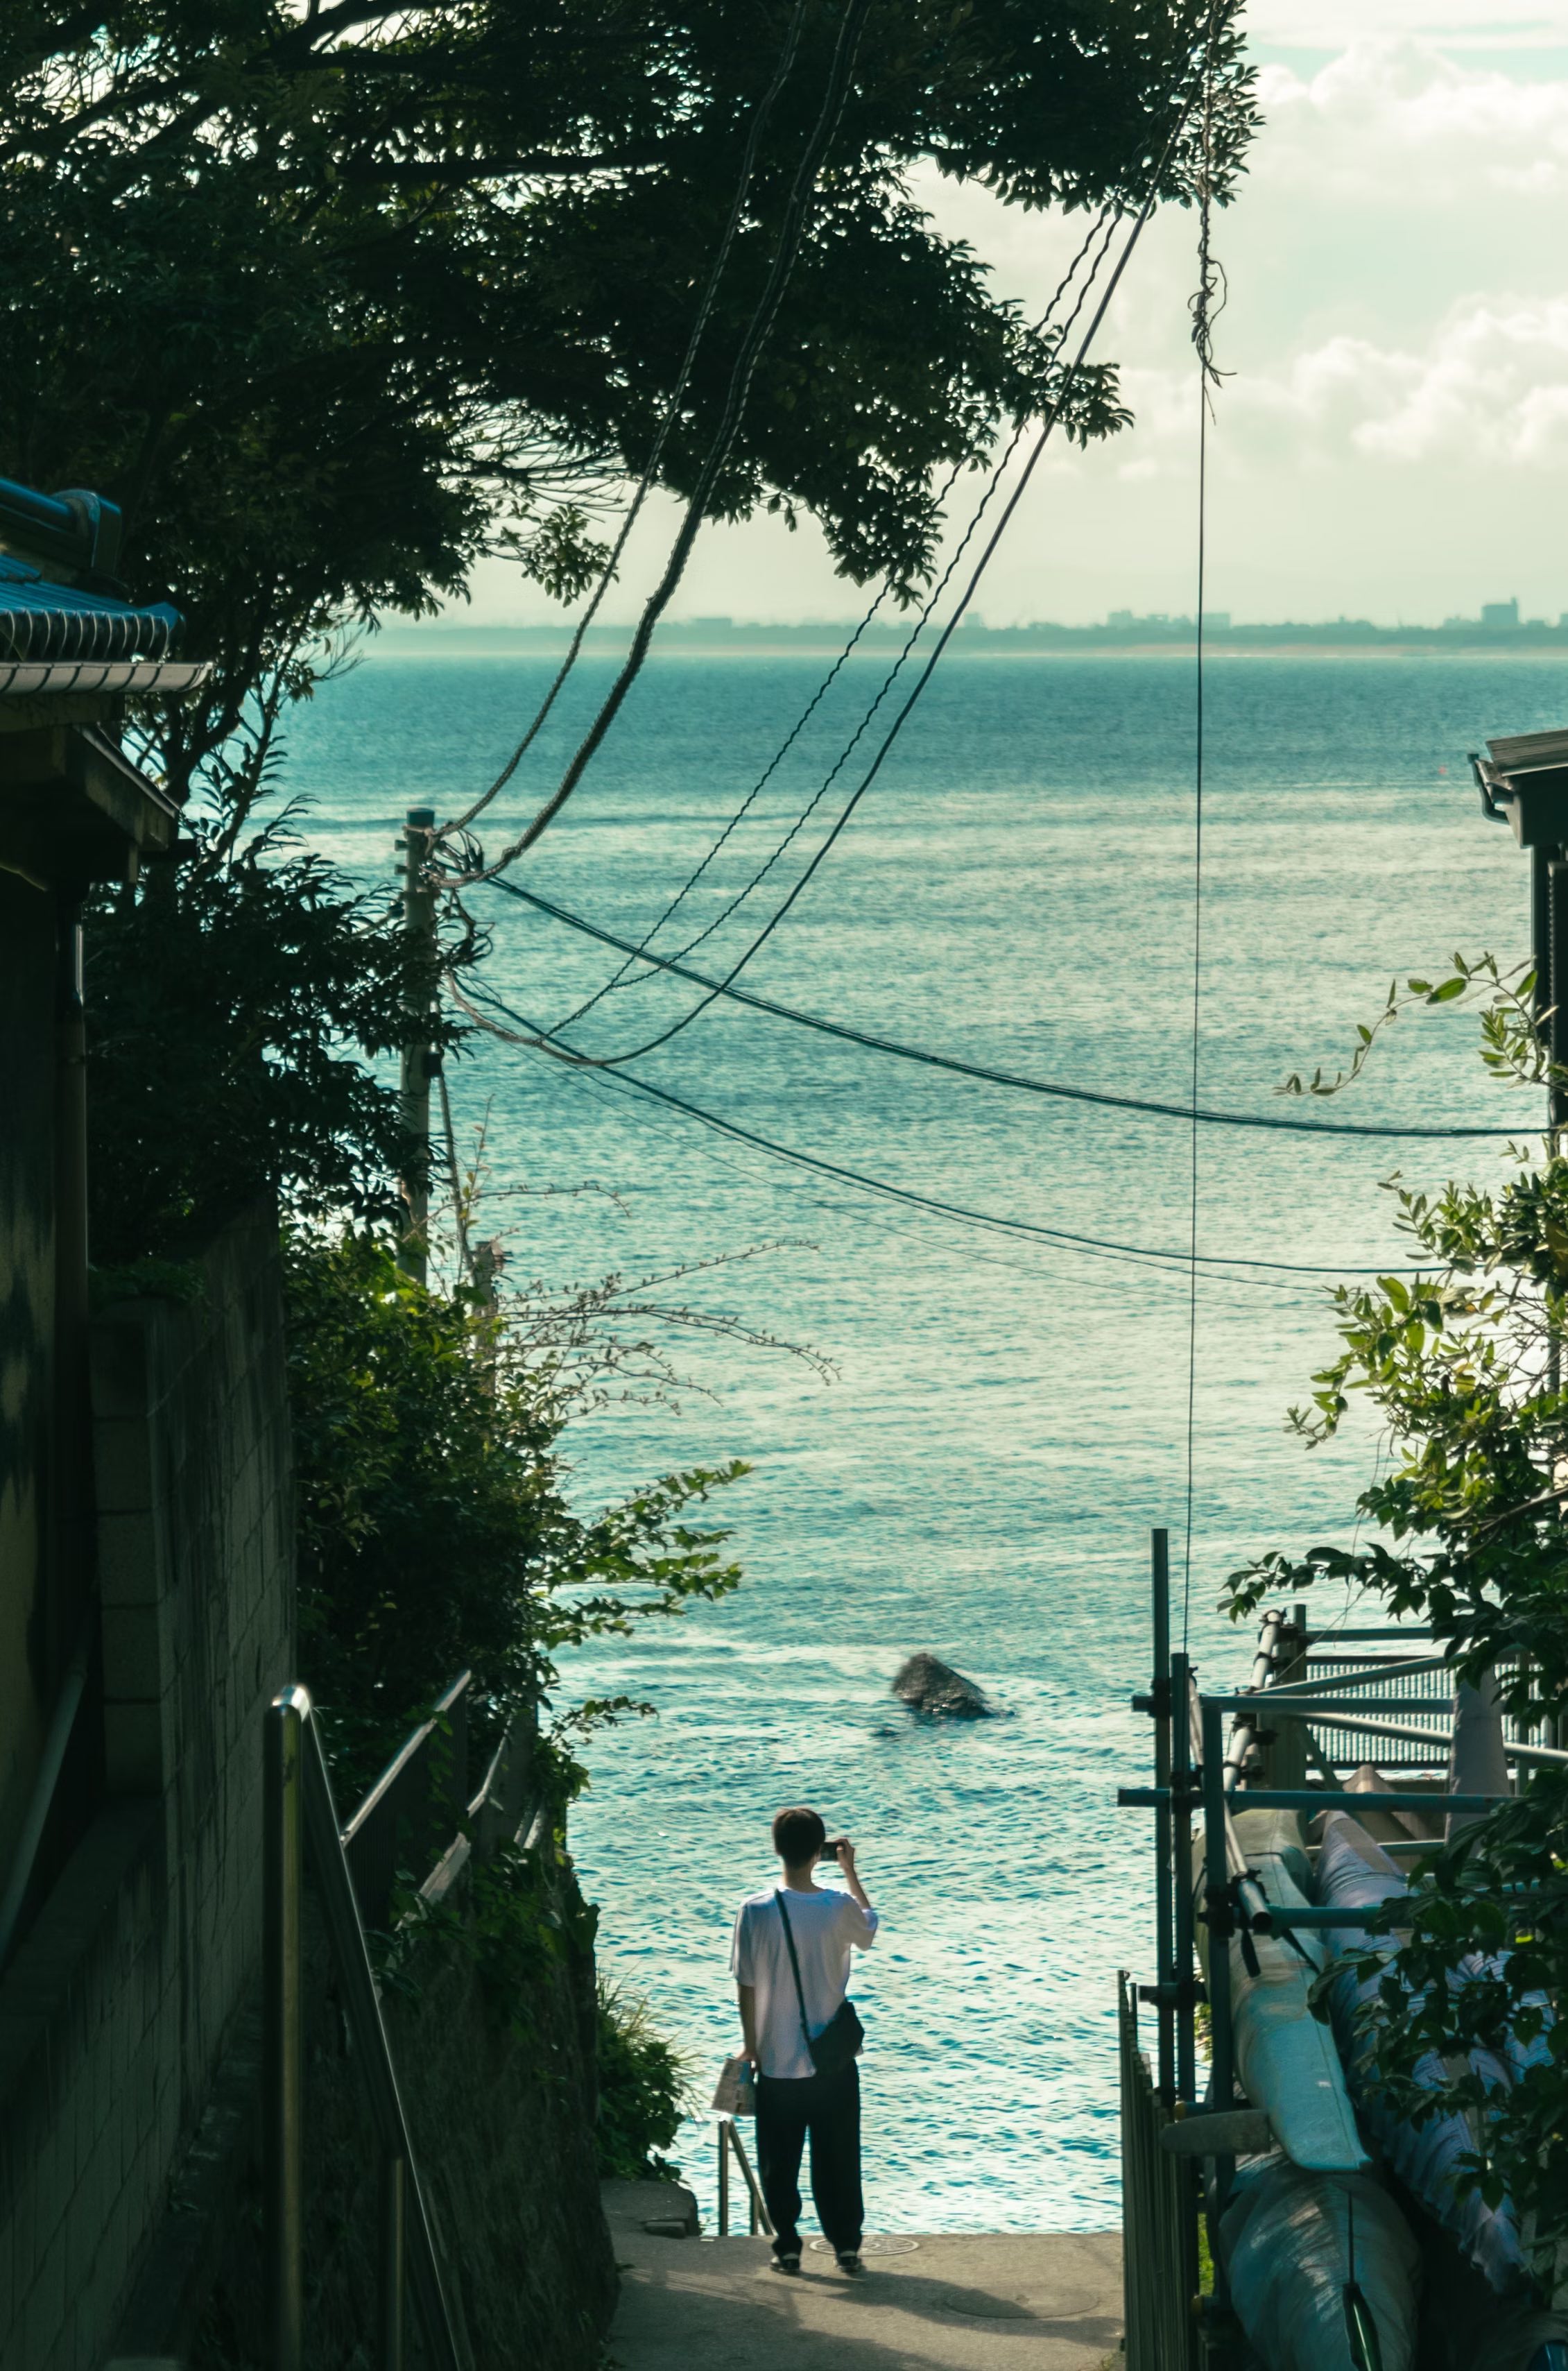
1004, 1417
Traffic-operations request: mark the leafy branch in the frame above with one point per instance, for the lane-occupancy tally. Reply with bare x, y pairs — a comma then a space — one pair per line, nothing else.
1511, 1045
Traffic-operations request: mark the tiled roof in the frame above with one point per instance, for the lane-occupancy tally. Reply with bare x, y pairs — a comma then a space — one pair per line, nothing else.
40, 620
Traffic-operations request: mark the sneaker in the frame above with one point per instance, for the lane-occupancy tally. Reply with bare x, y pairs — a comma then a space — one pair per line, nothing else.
852, 2266
785, 2260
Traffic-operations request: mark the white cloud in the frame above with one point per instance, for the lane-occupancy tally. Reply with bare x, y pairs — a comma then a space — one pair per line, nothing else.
1395, 436
1397, 121
1458, 24
1488, 389
1492, 389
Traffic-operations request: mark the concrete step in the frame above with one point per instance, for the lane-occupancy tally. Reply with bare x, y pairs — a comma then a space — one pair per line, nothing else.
953, 2301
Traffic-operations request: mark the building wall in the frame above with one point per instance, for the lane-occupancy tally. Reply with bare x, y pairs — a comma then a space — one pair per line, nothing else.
27, 1330
114, 2009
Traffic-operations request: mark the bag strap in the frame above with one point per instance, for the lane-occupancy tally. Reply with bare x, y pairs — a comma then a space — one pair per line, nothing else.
794, 1963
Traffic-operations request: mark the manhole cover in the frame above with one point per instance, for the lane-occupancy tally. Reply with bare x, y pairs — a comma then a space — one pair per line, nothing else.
872, 2247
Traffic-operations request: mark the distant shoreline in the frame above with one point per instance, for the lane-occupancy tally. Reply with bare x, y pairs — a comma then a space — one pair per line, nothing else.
718, 639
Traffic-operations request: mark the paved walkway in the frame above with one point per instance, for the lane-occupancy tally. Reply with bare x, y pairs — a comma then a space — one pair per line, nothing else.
953, 2303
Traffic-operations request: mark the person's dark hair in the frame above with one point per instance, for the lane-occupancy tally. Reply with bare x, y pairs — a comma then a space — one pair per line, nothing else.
798, 1836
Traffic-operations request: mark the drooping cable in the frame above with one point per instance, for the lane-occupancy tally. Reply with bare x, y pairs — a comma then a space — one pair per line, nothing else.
1226, 1263
1109, 213
1023, 1080
791, 236
760, 114
859, 1209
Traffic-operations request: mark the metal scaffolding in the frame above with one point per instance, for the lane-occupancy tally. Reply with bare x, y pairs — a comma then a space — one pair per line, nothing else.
1313, 1703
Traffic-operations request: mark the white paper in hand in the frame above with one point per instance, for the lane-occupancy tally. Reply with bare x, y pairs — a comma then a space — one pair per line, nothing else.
735, 2092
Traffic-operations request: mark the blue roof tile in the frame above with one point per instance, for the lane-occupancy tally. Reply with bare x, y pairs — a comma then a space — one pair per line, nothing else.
43, 621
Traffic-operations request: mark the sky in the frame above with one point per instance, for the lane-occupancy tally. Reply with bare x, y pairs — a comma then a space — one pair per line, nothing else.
1393, 439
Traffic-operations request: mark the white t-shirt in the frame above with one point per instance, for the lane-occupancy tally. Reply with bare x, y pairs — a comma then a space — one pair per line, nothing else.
826, 1926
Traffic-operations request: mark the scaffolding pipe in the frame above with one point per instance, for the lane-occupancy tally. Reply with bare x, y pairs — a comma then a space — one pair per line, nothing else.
1216, 1894
1369, 1677
1547, 1757
1182, 1859
1323, 1799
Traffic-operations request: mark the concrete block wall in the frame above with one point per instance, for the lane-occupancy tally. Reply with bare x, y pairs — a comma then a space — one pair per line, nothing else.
113, 2013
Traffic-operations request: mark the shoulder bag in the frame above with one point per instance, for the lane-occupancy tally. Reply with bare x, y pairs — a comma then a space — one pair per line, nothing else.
842, 2038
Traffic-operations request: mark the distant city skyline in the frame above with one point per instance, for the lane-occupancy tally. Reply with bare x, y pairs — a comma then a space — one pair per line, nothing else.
1394, 430
1489, 621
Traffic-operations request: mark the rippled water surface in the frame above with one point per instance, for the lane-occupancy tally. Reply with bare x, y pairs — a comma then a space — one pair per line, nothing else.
1008, 1416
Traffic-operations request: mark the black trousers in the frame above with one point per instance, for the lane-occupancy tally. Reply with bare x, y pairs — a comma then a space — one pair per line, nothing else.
828, 2107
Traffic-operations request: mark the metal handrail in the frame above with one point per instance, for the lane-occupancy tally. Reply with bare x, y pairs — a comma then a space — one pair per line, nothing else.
298, 1806
412, 1812
729, 2138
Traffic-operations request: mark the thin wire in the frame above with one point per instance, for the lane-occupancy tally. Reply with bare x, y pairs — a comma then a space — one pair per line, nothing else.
1021, 1080
1203, 304
760, 114
791, 234
1153, 1254
1110, 209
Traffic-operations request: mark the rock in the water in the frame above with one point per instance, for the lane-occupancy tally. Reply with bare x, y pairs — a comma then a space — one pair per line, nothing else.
929, 1685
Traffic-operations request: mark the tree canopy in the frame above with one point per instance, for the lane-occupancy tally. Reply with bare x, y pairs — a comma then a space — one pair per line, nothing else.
334, 298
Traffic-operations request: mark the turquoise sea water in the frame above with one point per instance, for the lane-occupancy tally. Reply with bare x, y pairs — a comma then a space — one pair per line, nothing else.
1008, 1417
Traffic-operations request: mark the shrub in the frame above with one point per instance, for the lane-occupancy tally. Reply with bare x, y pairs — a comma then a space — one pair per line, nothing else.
434, 1532
643, 2083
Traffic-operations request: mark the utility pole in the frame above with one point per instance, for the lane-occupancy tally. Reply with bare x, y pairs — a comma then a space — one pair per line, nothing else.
419, 1054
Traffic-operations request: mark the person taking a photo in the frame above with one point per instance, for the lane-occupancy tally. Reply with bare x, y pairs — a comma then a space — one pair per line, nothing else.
791, 1961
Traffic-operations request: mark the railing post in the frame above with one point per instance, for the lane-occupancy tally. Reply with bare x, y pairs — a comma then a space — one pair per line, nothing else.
759, 2214
1164, 1875
282, 1850
394, 2177
723, 2177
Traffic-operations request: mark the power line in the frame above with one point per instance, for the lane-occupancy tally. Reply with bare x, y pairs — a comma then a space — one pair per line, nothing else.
863, 1211
1109, 213
1051, 418
634, 1052
927, 611
1022, 1080
856, 1209
1154, 1254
